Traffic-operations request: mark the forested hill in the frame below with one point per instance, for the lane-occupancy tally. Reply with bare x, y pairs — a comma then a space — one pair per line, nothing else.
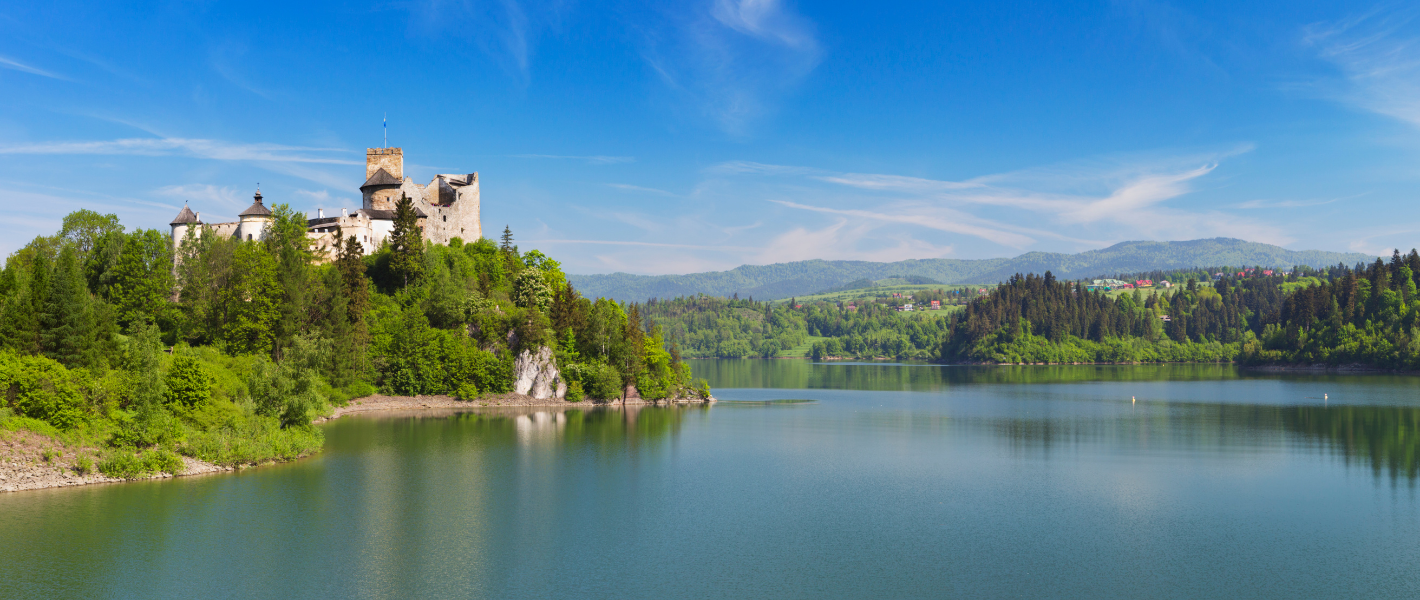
770, 282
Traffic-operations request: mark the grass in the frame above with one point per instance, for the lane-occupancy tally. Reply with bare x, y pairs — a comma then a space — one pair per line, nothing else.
802, 350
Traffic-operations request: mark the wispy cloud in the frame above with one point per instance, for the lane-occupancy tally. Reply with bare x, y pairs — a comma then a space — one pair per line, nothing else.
506, 31
637, 188
646, 244
1261, 203
1086, 204
15, 65
591, 160
1378, 54
196, 148
735, 59
206, 195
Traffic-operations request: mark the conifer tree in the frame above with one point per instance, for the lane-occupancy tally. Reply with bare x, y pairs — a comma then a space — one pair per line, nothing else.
407, 242
67, 324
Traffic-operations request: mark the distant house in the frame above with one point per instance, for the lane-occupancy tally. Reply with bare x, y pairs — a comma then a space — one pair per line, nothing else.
1164, 318
936, 305
1165, 284
1267, 272
1143, 283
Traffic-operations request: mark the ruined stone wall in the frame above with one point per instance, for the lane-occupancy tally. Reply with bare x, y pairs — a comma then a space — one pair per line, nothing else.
389, 159
459, 219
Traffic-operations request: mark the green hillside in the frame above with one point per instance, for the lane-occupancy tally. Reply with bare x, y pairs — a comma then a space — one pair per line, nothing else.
783, 280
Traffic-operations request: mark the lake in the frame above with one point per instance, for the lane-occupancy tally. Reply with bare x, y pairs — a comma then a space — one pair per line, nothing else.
805, 481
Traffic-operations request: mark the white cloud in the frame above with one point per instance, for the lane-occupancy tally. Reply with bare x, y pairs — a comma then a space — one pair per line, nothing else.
1378, 54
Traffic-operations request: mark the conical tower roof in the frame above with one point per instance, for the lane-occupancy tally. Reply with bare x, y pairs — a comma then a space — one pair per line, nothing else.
186, 217
257, 209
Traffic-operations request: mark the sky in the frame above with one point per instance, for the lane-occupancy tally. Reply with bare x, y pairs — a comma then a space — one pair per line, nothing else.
677, 137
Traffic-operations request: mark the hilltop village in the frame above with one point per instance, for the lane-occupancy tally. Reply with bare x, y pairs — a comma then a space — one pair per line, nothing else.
447, 207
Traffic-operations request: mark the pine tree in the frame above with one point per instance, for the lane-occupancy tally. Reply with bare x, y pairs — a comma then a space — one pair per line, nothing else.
67, 327
507, 243
407, 242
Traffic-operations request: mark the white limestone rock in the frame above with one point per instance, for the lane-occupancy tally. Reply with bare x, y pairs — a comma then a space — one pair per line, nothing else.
537, 375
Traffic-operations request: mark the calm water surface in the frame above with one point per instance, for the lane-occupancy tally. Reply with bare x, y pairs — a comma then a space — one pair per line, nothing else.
890, 481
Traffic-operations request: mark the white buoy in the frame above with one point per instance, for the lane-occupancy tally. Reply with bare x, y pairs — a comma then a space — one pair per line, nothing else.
1323, 396
1133, 400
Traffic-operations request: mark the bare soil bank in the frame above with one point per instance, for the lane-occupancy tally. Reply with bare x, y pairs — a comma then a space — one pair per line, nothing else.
30, 461
403, 403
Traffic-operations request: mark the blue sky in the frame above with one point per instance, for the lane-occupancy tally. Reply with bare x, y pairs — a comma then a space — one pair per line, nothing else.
656, 137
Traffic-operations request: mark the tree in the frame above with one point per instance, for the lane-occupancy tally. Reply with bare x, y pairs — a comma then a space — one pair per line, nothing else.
294, 253
188, 384
249, 302
507, 240
142, 280
85, 228
530, 290
407, 242
69, 332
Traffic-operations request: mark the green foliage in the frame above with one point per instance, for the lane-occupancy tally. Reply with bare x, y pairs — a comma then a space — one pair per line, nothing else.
407, 242
467, 391
783, 280
124, 463
41, 388
188, 384
248, 306
140, 283
530, 290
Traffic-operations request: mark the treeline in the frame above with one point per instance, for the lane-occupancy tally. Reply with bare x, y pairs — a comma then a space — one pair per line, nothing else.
711, 327
225, 349
1364, 315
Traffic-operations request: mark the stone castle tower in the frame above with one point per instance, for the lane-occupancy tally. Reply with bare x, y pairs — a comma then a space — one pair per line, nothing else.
448, 207
449, 204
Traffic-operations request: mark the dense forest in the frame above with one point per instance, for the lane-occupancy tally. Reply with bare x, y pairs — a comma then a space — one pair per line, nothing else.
226, 349
803, 278
1362, 314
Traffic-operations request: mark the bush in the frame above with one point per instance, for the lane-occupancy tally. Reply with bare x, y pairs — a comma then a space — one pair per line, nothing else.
574, 391
125, 464
189, 385
467, 391
43, 389
84, 465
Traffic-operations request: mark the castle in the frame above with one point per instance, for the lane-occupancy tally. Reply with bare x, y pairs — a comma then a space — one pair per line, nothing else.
447, 208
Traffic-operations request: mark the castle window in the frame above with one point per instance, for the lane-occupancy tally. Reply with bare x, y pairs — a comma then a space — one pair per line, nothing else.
248, 237
446, 218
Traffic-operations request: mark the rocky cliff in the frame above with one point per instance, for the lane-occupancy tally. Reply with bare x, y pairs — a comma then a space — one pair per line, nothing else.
537, 375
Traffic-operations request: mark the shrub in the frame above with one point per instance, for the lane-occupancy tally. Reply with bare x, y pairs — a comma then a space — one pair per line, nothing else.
189, 385
467, 391
84, 465
574, 391
122, 464
43, 389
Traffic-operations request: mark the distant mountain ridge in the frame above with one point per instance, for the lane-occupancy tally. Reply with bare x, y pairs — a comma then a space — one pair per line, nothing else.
782, 280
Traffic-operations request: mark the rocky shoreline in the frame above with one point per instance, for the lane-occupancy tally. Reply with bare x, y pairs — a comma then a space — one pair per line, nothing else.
30, 461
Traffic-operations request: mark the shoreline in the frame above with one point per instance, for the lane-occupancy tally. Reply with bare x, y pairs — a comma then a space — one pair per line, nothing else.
381, 402
32, 461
